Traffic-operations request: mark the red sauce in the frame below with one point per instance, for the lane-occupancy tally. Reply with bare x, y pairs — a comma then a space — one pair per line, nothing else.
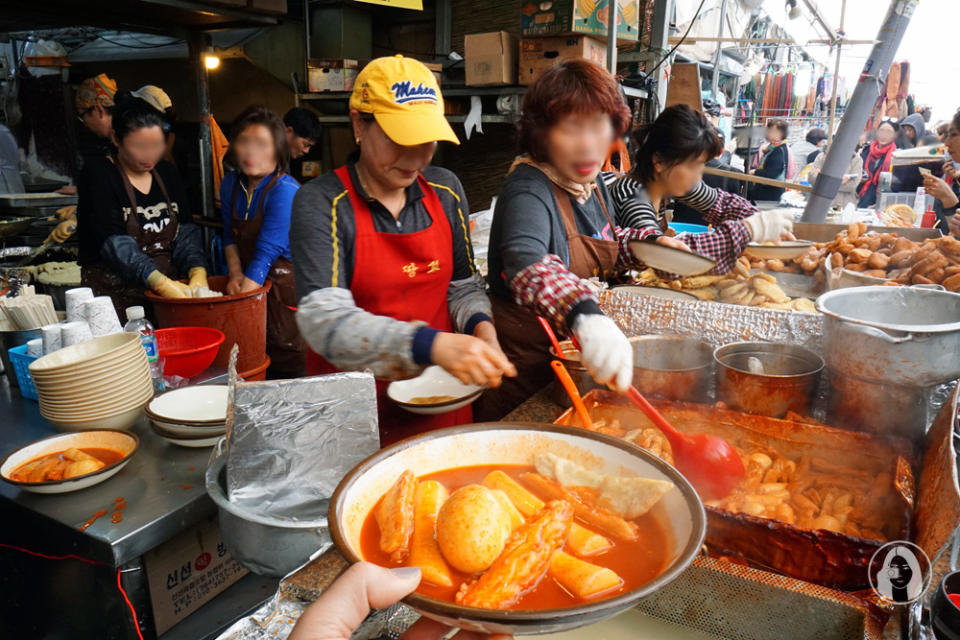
54, 471
187, 487
118, 499
116, 518
120, 506
636, 562
98, 514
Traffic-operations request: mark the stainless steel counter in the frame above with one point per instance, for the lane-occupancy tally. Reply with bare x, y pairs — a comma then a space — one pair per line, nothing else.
162, 486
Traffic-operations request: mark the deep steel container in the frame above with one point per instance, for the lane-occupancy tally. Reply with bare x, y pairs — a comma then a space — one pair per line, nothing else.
788, 380
673, 367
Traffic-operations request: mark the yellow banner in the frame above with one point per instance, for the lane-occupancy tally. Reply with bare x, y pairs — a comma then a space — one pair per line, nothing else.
400, 4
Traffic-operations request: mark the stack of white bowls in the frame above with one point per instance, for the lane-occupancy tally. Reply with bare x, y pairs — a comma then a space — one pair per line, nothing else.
102, 383
190, 416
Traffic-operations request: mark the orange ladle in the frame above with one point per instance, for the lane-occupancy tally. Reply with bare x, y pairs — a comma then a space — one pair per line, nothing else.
711, 464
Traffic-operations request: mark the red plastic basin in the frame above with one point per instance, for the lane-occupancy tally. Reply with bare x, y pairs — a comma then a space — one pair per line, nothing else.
188, 351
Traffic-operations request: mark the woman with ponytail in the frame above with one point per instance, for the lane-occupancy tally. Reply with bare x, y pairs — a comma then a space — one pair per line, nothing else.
668, 163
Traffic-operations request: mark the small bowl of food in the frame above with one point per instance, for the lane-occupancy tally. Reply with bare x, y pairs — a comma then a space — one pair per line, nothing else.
433, 391
520, 528
69, 461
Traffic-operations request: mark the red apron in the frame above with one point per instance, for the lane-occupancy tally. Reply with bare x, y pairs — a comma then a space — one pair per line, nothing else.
406, 277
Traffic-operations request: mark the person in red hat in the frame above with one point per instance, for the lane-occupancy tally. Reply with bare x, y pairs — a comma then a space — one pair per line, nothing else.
382, 256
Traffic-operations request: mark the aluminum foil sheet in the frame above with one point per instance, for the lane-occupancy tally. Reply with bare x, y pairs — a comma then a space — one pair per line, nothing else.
290, 442
713, 322
275, 619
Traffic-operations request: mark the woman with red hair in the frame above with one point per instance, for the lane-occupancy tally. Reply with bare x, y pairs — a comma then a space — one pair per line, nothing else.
553, 229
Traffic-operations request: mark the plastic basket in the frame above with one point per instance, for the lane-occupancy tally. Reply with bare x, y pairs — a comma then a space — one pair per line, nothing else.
20, 361
681, 227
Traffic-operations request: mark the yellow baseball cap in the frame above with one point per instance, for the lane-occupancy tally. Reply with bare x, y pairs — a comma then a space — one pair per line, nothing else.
404, 98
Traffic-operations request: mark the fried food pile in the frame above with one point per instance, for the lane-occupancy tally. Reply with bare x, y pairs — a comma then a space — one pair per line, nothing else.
887, 256
808, 492
740, 286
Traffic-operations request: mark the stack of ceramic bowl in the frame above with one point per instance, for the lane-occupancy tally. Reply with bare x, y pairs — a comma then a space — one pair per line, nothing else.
191, 416
98, 384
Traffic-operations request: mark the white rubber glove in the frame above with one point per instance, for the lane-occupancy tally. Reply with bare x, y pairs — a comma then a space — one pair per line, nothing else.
768, 226
604, 351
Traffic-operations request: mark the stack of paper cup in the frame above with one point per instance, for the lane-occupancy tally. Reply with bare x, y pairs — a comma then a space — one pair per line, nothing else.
74, 299
101, 316
50, 335
74, 333
35, 347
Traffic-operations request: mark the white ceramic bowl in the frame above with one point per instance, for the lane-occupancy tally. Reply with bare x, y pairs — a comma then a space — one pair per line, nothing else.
89, 377
784, 250
658, 256
122, 420
680, 512
197, 443
98, 411
122, 441
197, 405
78, 356
106, 394
434, 381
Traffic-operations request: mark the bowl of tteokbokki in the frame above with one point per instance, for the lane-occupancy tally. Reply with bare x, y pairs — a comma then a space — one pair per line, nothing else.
520, 528
69, 461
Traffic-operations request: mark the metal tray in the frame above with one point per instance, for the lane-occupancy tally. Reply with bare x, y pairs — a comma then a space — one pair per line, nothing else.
820, 556
20, 200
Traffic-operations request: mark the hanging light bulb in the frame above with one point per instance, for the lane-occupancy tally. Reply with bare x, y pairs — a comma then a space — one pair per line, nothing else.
793, 9
211, 62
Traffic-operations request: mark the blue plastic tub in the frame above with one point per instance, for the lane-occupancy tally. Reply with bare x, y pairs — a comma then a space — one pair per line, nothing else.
20, 361
681, 227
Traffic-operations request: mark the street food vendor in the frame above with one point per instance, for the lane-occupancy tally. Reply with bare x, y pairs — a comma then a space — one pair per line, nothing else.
135, 227
382, 255
668, 163
553, 229
255, 203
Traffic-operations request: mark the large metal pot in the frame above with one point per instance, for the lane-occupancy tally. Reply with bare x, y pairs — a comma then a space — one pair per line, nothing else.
673, 367
265, 545
786, 381
876, 407
893, 335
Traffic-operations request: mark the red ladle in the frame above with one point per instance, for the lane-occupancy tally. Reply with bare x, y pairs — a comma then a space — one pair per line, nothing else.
710, 463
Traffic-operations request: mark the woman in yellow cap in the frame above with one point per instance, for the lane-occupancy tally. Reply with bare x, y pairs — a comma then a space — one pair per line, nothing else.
381, 252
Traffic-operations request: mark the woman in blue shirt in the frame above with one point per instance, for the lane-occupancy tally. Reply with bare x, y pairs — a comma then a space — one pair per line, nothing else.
255, 203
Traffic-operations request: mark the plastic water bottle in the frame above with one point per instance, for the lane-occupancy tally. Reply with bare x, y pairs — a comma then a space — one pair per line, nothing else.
137, 323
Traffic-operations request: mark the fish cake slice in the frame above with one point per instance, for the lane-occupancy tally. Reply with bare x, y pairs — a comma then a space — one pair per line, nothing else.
395, 517
525, 559
585, 508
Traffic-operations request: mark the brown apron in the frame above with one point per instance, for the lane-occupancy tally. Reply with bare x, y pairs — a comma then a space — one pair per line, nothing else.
521, 336
158, 245
285, 347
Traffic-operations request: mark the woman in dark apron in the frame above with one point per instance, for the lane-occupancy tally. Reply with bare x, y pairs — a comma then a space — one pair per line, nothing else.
255, 203
134, 221
382, 253
553, 229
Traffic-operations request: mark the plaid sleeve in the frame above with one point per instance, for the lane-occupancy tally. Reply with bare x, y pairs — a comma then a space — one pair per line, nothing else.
724, 244
549, 289
725, 206
626, 260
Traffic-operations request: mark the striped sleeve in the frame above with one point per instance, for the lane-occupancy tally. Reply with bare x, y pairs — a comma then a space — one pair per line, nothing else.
633, 209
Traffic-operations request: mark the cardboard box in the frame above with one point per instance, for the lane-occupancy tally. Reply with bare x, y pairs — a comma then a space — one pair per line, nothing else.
569, 17
187, 572
537, 54
331, 75
437, 70
490, 59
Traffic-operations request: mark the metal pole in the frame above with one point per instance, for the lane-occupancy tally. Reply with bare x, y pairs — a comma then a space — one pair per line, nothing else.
836, 77
614, 8
868, 89
659, 35
197, 42
715, 82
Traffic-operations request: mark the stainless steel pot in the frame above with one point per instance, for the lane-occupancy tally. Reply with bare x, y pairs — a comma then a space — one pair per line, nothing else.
265, 545
673, 367
787, 383
893, 335
876, 407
